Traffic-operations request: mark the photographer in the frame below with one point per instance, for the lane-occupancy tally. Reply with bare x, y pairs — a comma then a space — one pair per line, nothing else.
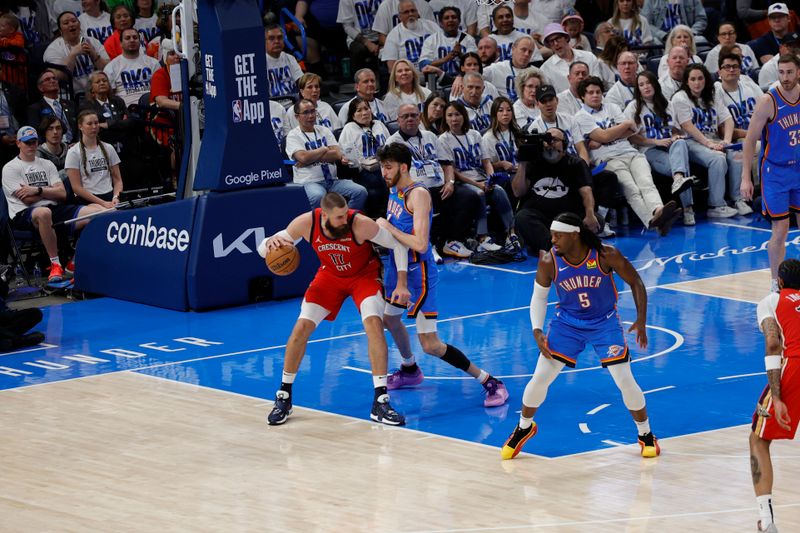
550, 181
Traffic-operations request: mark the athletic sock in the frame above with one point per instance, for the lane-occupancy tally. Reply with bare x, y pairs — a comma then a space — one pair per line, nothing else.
55, 261
765, 510
409, 361
643, 427
525, 422
286, 382
409, 369
483, 377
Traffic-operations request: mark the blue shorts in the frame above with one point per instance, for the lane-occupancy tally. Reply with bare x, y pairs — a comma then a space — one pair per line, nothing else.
568, 337
423, 279
780, 190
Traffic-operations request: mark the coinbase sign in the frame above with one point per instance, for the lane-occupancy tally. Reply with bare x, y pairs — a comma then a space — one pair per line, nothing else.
139, 255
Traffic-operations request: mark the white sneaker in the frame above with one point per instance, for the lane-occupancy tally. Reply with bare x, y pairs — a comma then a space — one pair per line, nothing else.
606, 232
436, 257
722, 211
456, 249
688, 216
488, 245
681, 184
742, 207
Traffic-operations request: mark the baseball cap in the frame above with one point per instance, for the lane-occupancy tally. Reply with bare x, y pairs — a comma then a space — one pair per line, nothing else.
27, 133
778, 9
545, 91
554, 28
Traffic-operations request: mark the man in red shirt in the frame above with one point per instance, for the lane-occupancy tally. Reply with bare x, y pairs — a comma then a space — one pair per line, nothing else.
779, 320
349, 266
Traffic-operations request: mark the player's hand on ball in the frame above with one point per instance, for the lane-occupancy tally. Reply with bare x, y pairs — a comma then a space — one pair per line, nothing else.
641, 333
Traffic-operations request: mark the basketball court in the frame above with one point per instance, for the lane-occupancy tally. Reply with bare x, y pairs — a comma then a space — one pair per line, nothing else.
139, 418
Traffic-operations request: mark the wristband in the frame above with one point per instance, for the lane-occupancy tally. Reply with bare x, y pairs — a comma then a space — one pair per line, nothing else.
772, 362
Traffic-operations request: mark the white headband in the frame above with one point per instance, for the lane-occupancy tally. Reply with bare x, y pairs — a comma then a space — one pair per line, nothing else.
564, 228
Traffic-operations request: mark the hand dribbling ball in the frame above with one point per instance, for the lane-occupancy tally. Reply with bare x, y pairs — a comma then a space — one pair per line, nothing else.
284, 260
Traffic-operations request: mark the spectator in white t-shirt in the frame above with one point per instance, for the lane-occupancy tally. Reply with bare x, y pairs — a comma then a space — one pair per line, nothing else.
503, 73
701, 113
130, 72
677, 60
35, 196
357, 17
316, 151
93, 166
569, 102
81, 55
505, 35
95, 22
388, 16
282, 68
280, 127
727, 37
146, 19
366, 86
679, 36
607, 132
627, 21
406, 39
309, 86
556, 68
739, 93
622, 91
444, 49
404, 88
360, 140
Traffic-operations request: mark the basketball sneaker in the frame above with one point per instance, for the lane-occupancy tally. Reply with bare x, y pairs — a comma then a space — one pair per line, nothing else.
517, 440
384, 413
401, 378
56, 273
282, 409
70, 268
456, 249
496, 393
649, 445
772, 528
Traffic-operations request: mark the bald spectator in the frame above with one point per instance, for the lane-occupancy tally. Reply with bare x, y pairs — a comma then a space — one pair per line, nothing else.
677, 61
388, 16
487, 51
503, 73
569, 102
405, 40
366, 85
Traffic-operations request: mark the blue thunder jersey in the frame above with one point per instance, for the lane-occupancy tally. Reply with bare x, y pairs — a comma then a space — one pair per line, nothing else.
585, 292
780, 140
401, 218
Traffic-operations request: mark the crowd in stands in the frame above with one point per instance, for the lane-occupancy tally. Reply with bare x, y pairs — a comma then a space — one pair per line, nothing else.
86, 111
645, 103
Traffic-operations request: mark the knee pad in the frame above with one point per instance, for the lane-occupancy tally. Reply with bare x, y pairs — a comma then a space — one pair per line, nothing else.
372, 306
313, 312
632, 395
425, 324
545, 373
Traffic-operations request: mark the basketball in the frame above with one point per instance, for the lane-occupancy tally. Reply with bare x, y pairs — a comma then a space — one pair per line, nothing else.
284, 260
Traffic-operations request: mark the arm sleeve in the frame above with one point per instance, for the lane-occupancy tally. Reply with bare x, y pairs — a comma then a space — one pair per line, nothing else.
385, 239
538, 305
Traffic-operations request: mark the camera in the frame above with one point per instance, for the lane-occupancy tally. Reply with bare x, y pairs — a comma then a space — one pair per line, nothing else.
532, 146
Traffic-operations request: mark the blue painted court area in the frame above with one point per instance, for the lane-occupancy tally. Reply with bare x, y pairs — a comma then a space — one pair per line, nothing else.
694, 341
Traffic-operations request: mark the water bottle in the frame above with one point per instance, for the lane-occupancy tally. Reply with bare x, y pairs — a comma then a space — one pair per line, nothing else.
346, 67
37, 271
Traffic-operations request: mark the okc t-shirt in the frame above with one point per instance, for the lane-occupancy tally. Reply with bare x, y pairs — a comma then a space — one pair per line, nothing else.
96, 173
96, 27
282, 75
58, 51
37, 173
147, 27
130, 78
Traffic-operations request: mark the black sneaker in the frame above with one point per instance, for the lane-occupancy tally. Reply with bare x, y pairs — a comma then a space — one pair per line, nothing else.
517, 440
385, 414
282, 409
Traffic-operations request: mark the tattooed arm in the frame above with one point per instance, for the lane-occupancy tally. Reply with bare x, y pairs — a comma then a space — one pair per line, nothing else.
774, 346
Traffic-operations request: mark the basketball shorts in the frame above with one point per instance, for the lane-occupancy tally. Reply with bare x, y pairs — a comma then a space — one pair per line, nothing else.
568, 337
780, 190
767, 427
330, 291
423, 279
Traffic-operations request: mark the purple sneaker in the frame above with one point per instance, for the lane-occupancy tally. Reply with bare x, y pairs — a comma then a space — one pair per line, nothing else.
496, 393
399, 378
